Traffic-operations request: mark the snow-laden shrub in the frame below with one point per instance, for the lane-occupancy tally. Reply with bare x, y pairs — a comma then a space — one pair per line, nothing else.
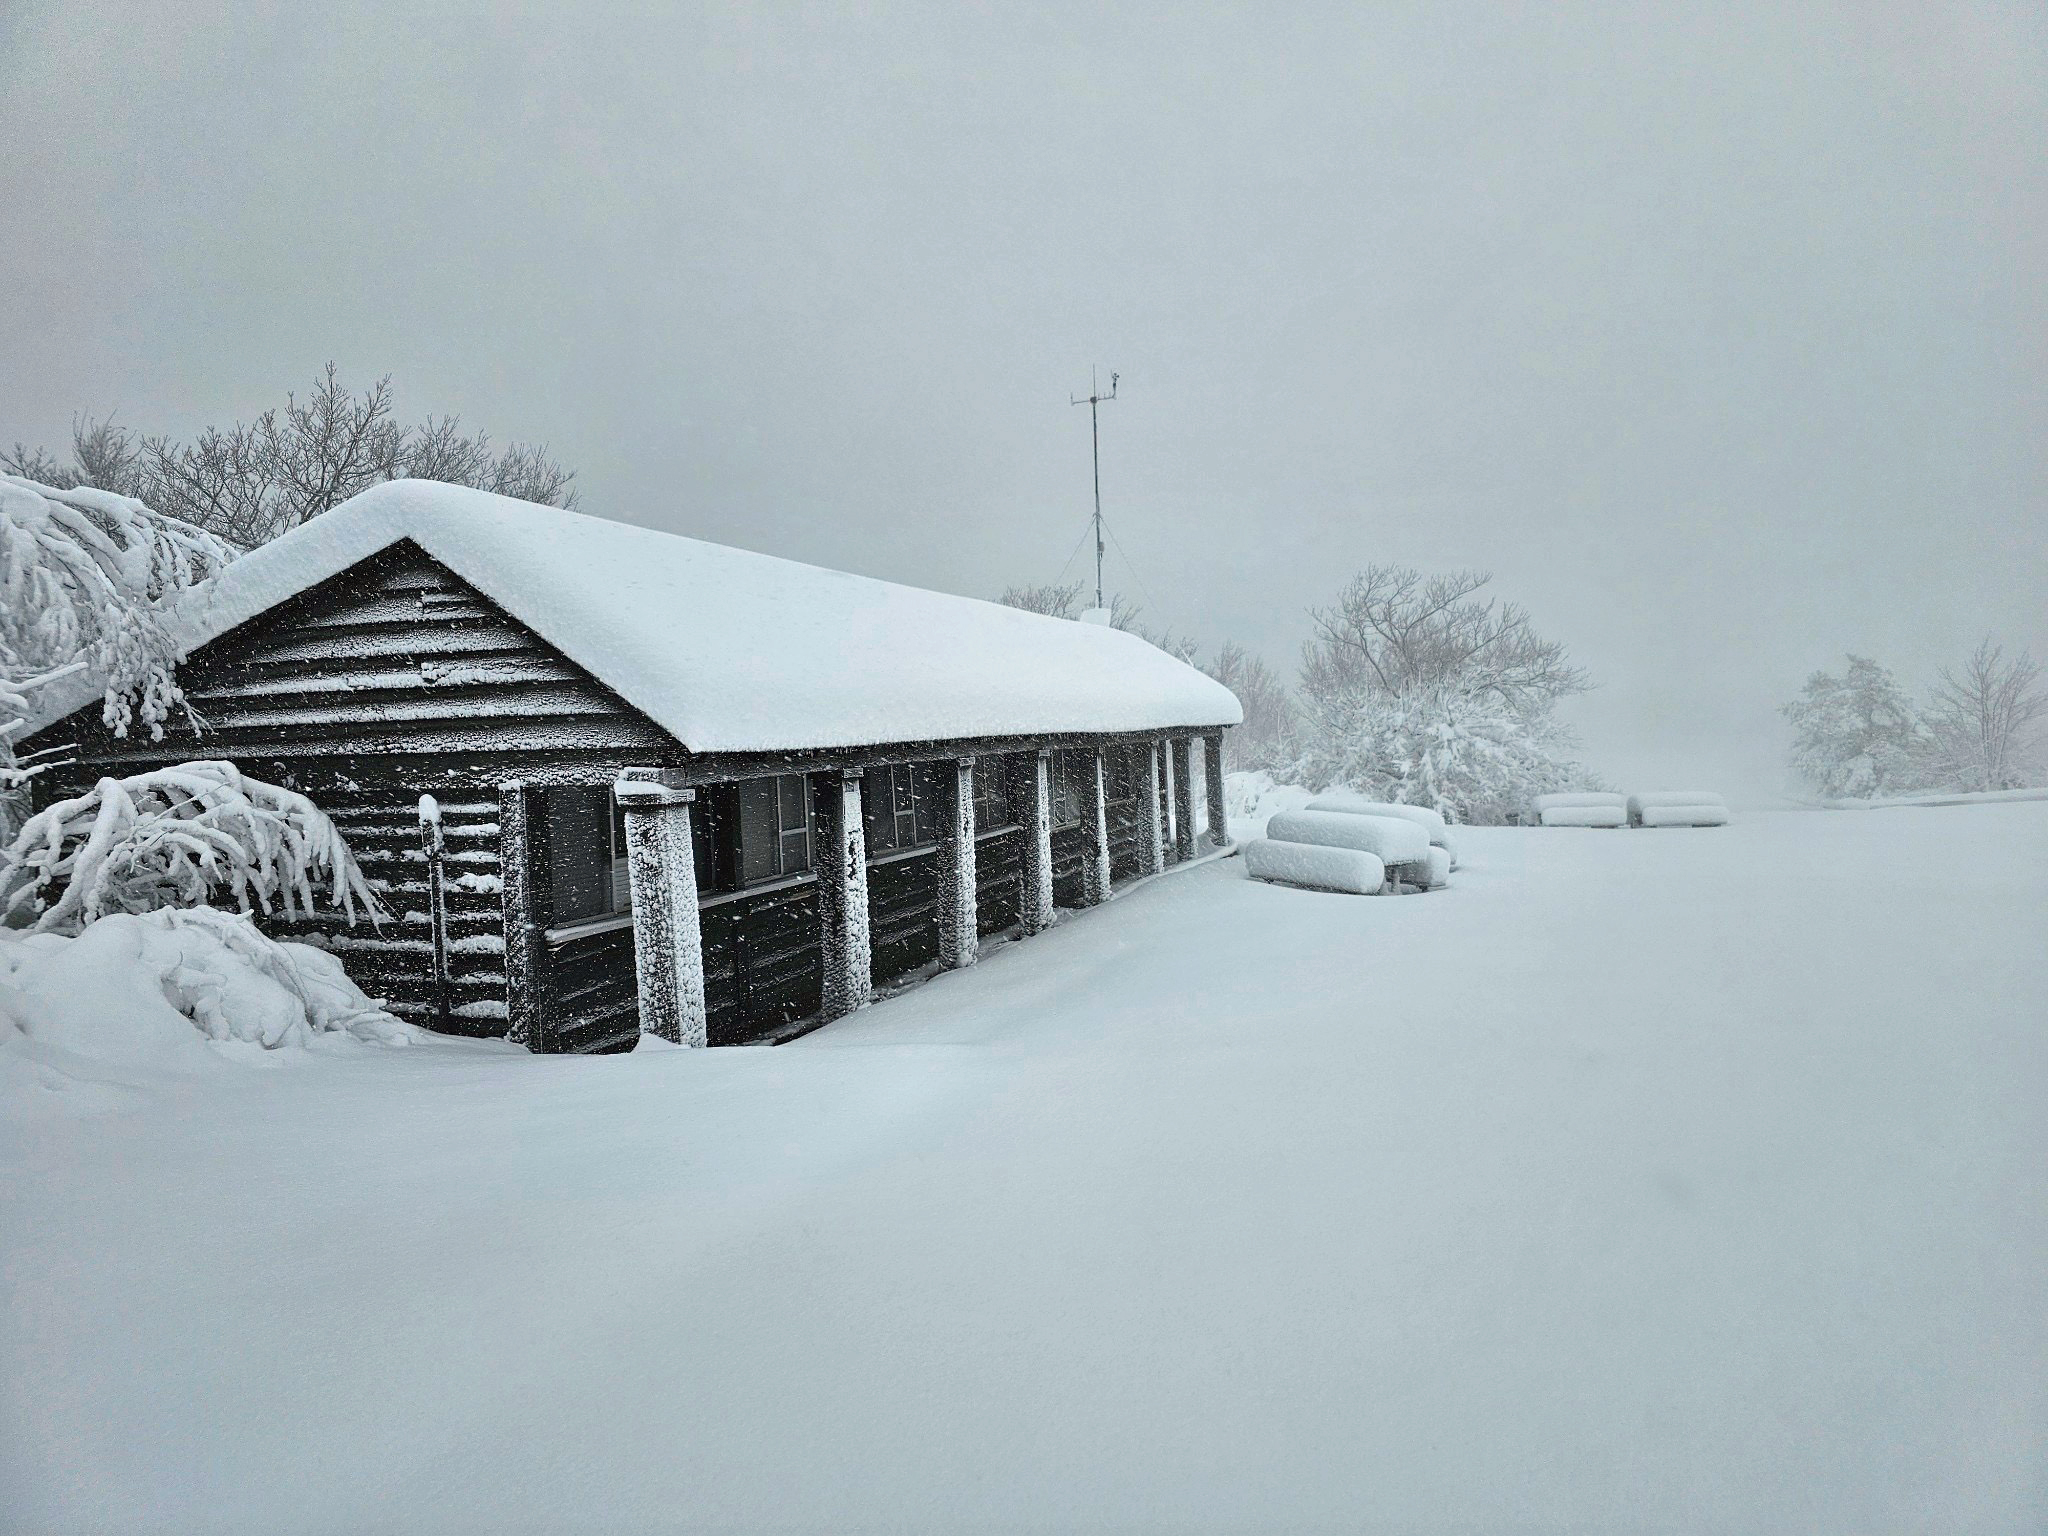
1252, 798
82, 575
135, 986
176, 837
1468, 757
1417, 689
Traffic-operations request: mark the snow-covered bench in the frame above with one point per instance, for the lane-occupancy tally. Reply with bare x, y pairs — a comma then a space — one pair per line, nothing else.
1677, 808
1582, 808
1352, 803
1315, 867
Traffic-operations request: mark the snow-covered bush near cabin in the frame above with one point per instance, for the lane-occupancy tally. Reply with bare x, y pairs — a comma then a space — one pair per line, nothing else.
83, 577
176, 837
138, 987
1251, 799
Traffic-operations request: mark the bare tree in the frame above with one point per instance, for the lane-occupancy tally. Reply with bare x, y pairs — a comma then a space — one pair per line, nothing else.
1063, 601
252, 481
1398, 630
1266, 737
1984, 718
1415, 689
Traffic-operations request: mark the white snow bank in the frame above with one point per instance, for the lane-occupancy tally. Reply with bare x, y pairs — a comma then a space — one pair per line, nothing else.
1395, 841
154, 989
1352, 803
726, 649
1250, 799
1615, 815
1579, 800
1682, 816
1958, 797
1349, 870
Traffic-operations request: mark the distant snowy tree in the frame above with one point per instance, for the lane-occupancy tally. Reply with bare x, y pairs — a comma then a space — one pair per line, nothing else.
1856, 735
1984, 720
256, 480
1417, 690
1266, 739
83, 577
176, 837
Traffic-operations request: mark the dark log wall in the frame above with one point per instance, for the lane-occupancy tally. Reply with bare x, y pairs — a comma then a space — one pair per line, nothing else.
1071, 846
998, 880
763, 960
903, 912
1127, 781
394, 960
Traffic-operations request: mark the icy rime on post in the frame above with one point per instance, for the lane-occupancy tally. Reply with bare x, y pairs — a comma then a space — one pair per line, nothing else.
1212, 772
959, 942
668, 946
1035, 904
1151, 835
1095, 861
843, 898
1180, 760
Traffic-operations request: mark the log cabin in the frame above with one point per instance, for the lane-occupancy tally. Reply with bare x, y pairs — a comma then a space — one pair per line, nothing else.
608, 780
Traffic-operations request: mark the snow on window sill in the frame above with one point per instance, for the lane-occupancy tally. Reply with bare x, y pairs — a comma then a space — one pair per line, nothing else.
997, 831
587, 927
897, 855
720, 898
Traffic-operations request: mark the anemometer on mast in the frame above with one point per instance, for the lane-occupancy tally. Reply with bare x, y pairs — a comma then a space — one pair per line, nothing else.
1094, 400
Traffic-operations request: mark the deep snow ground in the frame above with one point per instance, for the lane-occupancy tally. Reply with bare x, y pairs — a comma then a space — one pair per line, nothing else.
1686, 1180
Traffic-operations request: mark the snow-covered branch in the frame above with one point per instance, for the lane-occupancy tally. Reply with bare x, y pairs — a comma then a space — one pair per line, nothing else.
175, 837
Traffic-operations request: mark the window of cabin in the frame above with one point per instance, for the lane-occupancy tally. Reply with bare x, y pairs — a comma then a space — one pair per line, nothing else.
900, 807
774, 827
1073, 775
586, 842
1123, 774
991, 793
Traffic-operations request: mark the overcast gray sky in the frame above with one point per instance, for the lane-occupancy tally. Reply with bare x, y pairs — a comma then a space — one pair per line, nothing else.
1717, 333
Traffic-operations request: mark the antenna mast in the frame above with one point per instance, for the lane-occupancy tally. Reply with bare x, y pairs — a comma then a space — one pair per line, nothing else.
1094, 400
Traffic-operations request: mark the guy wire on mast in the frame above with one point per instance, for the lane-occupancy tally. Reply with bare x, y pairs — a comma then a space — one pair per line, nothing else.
1093, 402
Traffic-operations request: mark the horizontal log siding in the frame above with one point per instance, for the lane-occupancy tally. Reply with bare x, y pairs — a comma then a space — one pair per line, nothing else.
396, 655
903, 913
1128, 854
764, 962
998, 880
591, 994
1071, 846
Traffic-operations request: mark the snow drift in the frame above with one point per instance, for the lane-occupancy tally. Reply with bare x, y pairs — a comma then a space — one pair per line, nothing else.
155, 989
1349, 870
1252, 798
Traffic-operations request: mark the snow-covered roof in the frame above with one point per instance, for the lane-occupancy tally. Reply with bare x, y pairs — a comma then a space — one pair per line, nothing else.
730, 650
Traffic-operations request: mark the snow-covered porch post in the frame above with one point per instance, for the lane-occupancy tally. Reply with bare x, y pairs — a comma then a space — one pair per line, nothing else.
668, 946
1095, 863
1035, 904
1212, 766
843, 896
1180, 757
959, 925
1151, 831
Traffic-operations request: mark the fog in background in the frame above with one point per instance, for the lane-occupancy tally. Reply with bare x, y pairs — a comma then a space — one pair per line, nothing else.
1716, 333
